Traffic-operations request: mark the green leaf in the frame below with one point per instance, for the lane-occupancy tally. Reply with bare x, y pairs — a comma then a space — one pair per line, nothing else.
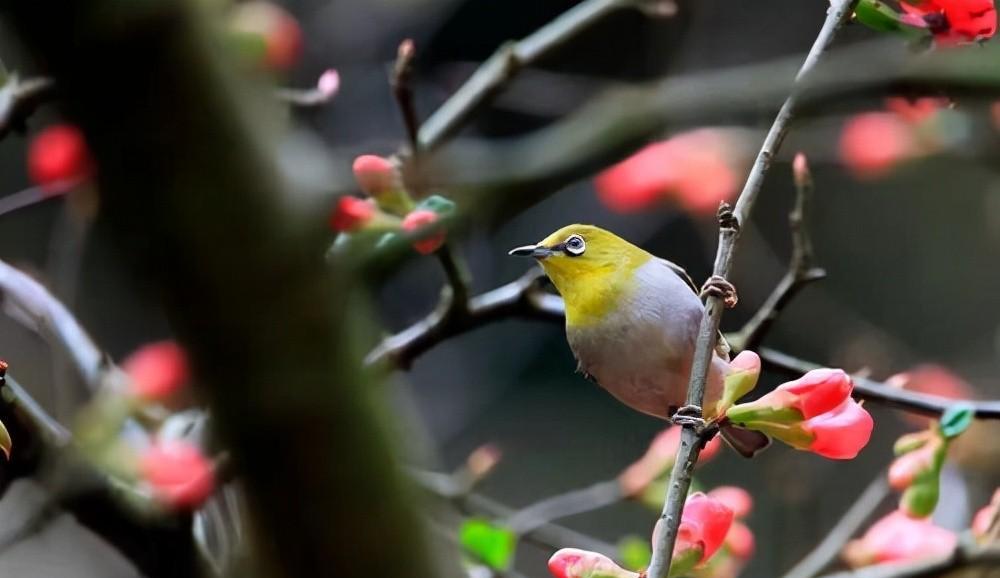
877, 16
634, 552
492, 544
956, 419
440, 205
5, 441
920, 499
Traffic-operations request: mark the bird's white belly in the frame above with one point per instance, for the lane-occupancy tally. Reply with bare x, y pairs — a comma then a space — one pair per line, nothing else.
642, 352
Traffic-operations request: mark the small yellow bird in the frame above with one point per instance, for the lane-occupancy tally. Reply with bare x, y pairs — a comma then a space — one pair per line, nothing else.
632, 318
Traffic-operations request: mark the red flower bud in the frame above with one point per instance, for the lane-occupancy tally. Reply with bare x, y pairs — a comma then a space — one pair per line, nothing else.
351, 213
374, 174
179, 475
704, 525
418, 219
575, 563
58, 158
841, 433
915, 111
157, 370
816, 392
871, 144
905, 469
899, 538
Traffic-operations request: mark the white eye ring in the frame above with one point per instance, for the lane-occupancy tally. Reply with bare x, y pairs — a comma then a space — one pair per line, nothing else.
575, 245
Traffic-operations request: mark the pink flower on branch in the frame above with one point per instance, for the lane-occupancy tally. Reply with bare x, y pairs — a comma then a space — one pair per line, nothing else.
705, 522
575, 563
421, 219
351, 214
899, 538
58, 158
157, 370
659, 459
841, 433
178, 473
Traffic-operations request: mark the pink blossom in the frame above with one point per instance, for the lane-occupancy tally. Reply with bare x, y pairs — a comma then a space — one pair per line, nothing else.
841, 433
179, 475
374, 174
58, 158
704, 525
955, 21
736, 499
351, 213
418, 219
575, 563
157, 370
899, 538
871, 144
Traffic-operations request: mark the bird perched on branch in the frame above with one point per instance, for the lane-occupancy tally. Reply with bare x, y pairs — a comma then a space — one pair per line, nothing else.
632, 320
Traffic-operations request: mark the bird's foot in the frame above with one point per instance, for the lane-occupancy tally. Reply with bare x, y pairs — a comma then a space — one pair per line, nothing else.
718, 287
689, 415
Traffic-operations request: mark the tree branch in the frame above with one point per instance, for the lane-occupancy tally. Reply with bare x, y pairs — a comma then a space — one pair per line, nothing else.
692, 437
852, 520
19, 100
31, 304
521, 298
497, 71
802, 270
879, 392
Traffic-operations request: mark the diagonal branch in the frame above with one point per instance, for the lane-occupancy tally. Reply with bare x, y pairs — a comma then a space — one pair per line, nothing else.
497, 71
693, 438
20, 99
521, 298
976, 561
831, 545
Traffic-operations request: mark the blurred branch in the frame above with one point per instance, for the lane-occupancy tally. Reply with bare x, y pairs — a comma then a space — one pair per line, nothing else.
49, 431
802, 270
521, 298
879, 392
402, 91
20, 98
501, 67
966, 560
28, 302
546, 535
565, 504
830, 547
694, 436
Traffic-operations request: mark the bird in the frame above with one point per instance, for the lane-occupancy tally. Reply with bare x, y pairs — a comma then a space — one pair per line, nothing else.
632, 320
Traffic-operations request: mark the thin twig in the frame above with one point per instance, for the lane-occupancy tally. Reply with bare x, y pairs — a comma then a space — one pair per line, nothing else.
521, 298
566, 504
966, 556
879, 392
20, 99
692, 438
52, 432
802, 270
402, 90
832, 544
497, 71
32, 304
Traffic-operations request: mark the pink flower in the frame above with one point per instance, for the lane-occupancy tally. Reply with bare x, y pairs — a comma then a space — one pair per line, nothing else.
157, 370
574, 563
351, 213
703, 528
374, 174
905, 468
899, 538
841, 433
800, 170
740, 541
931, 379
658, 459
871, 144
984, 517
736, 499
58, 158
418, 219
179, 475
816, 392
697, 169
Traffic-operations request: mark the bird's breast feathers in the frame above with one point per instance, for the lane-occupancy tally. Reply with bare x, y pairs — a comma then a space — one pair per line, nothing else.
641, 350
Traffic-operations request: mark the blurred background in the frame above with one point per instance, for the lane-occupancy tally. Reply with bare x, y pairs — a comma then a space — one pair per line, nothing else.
911, 257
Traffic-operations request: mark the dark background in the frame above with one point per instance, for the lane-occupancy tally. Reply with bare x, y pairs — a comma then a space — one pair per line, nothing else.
912, 262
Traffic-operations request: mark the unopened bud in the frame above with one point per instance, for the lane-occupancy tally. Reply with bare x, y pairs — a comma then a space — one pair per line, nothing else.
800, 171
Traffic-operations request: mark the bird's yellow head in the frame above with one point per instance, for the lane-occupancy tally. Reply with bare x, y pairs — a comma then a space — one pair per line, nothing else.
591, 268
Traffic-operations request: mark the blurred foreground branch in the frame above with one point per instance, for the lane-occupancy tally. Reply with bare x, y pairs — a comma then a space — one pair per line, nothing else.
20, 98
966, 560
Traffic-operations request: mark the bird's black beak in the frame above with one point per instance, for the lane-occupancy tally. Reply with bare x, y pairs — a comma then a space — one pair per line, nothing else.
536, 251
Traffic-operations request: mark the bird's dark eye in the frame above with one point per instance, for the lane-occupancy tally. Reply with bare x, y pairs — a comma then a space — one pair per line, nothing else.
574, 245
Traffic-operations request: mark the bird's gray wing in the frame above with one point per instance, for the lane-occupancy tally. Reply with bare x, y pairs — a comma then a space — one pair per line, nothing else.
722, 347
